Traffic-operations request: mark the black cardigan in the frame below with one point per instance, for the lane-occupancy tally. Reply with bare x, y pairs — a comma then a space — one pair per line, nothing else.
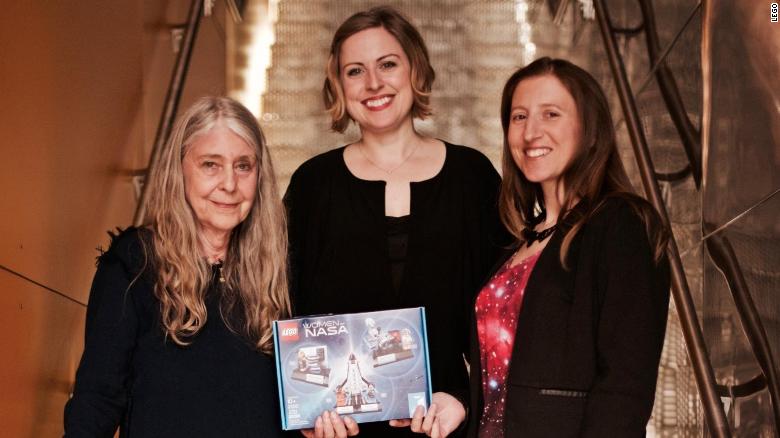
588, 341
132, 376
339, 252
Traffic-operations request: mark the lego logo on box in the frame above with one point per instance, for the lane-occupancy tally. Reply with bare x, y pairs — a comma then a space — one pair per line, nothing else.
288, 331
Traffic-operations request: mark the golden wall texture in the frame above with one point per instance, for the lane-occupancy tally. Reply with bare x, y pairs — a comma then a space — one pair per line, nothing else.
82, 86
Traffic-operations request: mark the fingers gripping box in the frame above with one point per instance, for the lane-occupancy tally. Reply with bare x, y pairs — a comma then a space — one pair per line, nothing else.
373, 366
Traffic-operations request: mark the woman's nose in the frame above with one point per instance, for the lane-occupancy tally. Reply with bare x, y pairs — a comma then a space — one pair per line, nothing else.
373, 80
532, 129
229, 180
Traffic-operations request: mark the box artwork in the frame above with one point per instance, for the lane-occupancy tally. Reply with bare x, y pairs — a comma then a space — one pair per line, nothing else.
372, 366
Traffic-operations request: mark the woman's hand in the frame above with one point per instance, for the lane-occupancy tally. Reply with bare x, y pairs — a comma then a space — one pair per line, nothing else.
331, 425
444, 416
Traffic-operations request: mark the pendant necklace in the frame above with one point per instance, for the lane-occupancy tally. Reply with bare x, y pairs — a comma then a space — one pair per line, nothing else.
220, 266
390, 171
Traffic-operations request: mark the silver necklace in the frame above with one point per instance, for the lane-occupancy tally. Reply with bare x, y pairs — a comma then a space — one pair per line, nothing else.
390, 171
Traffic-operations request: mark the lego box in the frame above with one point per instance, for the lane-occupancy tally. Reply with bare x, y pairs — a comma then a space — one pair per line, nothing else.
372, 366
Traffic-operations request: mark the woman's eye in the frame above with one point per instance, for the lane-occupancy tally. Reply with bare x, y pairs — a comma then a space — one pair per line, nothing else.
245, 166
354, 71
518, 117
387, 65
210, 167
551, 114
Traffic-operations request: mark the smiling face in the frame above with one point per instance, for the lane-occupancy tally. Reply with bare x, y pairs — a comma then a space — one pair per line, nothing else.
376, 78
544, 133
220, 179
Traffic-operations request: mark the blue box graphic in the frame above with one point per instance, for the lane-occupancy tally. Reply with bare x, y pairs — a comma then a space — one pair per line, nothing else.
373, 366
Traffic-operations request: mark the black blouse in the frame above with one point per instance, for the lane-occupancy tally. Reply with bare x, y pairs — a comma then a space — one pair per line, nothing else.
131, 376
340, 257
397, 243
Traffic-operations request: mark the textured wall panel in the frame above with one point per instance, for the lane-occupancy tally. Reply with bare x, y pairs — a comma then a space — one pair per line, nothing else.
40, 342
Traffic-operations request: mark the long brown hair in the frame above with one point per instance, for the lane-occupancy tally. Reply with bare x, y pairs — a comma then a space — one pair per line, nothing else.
595, 174
255, 270
422, 73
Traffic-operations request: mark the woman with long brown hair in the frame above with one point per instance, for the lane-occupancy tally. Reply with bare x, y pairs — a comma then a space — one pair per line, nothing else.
178, 331
396, 219
569, 328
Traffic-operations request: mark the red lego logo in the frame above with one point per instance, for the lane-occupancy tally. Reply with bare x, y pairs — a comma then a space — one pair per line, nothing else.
288, 331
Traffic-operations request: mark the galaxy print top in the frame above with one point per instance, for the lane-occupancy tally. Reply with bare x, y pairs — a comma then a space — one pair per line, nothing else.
497, 308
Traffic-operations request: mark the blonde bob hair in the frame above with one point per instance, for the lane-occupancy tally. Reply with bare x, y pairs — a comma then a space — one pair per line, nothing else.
255, 289
422, 73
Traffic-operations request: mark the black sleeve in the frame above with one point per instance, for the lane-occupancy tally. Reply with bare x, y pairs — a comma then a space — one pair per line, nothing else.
492, 239
634, 301
100, 396
296, 207
490, 242
498, 238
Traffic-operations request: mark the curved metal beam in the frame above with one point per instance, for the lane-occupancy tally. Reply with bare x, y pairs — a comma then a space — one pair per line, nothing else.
629, 31
674, 176
690, 137
746, 389
722, 253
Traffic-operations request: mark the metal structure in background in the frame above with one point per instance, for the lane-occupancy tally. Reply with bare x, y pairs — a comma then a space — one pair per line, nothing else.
172, 98
743, 145
237, 8
691, 139
717, 244
725, 259
694, 339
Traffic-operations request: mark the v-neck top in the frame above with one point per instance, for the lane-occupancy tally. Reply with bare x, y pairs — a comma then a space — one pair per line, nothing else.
497, 308
339, 255
588, 336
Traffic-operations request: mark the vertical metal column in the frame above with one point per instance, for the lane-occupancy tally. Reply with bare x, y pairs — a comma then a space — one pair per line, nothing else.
172, 98
694, 340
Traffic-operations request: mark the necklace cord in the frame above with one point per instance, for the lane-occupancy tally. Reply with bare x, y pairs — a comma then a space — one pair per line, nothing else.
390, 171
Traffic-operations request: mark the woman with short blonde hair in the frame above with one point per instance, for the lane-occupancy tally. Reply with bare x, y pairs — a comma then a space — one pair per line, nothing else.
395, 219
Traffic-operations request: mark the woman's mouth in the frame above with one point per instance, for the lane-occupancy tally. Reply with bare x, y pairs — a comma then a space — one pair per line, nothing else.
378, 103
537, 152
224, 205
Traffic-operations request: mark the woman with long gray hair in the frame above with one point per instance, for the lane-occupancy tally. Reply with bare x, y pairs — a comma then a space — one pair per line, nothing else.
178, 331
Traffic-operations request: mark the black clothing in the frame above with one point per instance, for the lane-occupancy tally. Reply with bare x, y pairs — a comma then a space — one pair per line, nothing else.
397, 242
133, 377
588, 341
339, 251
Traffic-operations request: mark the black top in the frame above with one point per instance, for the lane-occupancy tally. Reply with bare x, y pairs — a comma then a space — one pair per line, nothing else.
133, 377
339, 251
589, 338
397, 242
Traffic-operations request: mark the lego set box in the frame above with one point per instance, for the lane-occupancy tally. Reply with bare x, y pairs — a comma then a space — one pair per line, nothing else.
372, 366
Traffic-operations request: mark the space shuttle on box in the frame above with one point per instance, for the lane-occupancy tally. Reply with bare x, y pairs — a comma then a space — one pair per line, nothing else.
373, 366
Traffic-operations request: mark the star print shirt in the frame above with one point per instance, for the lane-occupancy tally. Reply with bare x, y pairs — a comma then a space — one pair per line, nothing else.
497, 308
